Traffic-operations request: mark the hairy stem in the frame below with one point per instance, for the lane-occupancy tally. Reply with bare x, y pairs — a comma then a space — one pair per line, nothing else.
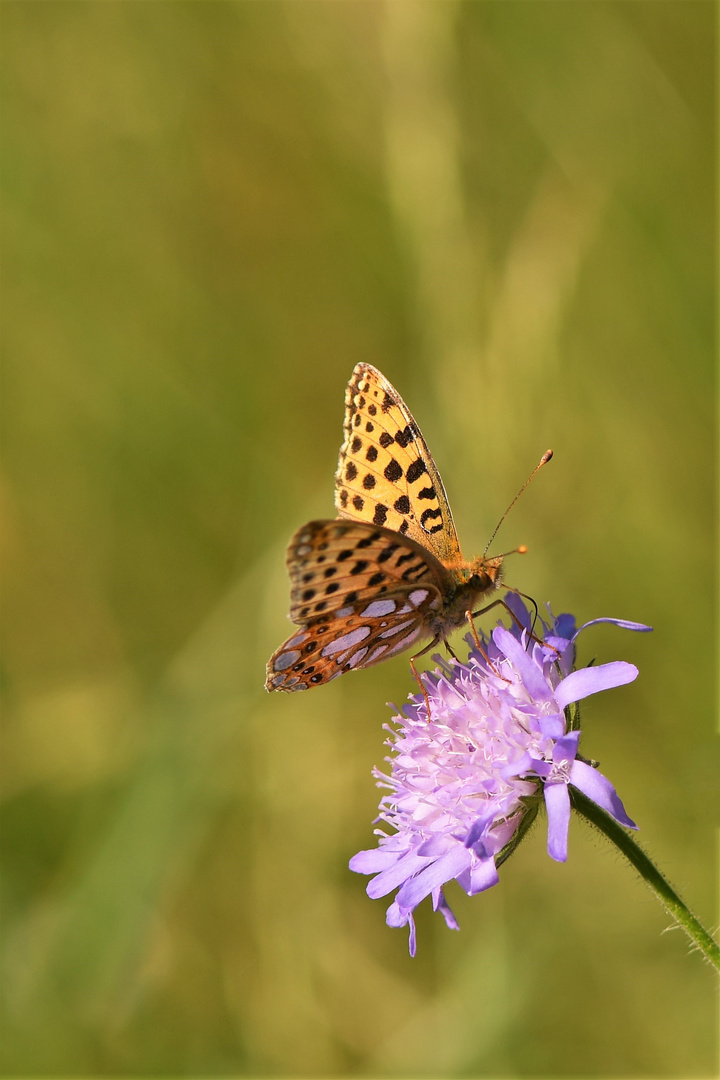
651, 875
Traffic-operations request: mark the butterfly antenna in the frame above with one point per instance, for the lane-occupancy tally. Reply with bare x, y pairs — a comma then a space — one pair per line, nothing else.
520, 550
543, 461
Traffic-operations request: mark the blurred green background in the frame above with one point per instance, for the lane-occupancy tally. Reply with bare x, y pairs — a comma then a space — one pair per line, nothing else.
212, 212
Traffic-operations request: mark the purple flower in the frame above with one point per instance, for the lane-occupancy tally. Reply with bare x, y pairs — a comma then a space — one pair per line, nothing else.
466, 784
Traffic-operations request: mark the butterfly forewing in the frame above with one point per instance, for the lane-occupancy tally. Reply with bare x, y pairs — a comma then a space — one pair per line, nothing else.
386, 474
333, 564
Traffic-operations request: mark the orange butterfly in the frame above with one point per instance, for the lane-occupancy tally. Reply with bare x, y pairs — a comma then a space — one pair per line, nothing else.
388, 571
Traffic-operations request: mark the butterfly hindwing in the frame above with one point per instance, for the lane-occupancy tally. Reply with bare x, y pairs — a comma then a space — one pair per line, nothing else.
360, 594
356, 636
386, 474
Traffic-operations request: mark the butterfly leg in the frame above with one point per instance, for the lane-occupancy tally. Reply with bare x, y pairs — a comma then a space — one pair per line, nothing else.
470, 616
514, 618
416, 673
536, 616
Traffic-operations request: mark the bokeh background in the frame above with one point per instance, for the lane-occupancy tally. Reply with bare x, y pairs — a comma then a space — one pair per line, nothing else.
212, 212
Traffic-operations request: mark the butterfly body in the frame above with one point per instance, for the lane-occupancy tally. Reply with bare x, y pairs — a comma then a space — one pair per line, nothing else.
471, 582
388, 572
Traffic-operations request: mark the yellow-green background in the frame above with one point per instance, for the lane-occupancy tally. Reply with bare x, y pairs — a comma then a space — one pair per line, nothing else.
212, 212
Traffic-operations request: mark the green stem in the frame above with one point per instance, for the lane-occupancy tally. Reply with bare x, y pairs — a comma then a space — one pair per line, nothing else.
651, 875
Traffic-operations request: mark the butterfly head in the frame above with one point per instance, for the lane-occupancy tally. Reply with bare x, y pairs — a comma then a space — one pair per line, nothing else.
482, 574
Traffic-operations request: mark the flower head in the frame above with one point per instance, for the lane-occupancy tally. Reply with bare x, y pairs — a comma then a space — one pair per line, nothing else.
466, 782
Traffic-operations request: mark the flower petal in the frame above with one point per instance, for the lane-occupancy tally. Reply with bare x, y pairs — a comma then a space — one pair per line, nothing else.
598, 788
521, 613
586, 681
412, 943
440, 904
624, 624
557, 803
565, 626
532, 676
480, 875
552, 727
373, 861
396, 917
432, 877
395, 875
566, 749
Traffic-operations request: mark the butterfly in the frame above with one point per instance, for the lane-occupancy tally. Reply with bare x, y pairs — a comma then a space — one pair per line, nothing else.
388, 572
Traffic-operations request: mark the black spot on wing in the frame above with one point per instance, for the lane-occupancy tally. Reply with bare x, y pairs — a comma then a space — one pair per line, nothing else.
428, 515
406, 436
368, 540
415, 470
414, 571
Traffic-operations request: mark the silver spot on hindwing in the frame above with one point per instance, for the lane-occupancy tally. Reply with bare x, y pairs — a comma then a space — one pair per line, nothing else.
286, 660
396, 629
347, 641
417, 596
357, 657
379, 608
